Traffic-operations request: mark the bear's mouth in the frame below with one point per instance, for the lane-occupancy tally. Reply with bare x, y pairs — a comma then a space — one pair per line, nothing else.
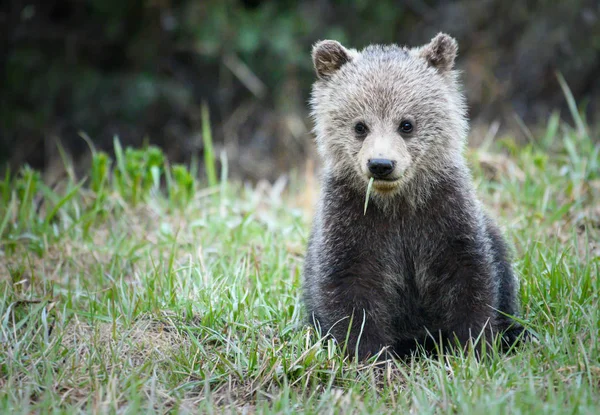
386, 184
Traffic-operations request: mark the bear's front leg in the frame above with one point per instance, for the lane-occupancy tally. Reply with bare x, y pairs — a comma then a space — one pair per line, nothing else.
461, 291
357, 317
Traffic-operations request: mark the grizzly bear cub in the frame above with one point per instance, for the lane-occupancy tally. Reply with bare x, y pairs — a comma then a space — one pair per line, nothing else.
424, 263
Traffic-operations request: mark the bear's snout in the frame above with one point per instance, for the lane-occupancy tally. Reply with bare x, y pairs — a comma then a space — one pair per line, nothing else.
381, 168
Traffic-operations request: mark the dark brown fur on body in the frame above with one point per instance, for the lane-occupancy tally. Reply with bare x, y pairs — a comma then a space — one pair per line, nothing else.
425, 261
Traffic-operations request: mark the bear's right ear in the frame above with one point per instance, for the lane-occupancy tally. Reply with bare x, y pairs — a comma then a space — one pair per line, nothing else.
440, 53
329, 56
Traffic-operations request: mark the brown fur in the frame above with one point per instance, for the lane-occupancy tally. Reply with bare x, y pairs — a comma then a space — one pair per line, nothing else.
425, 261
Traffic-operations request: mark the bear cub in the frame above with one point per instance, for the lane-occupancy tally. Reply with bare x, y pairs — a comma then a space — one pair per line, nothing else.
424, 266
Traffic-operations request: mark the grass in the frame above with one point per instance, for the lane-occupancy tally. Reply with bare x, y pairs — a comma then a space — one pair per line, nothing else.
139, 290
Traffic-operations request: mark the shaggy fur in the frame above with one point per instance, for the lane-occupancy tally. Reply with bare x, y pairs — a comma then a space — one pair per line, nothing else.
425, 263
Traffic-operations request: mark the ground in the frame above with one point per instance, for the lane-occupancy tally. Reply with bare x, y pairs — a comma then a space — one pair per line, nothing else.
141, 289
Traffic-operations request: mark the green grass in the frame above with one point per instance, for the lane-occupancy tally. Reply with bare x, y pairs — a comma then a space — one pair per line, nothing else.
141, 290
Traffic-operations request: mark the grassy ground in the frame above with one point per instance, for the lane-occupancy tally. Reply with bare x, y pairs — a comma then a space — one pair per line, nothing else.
117, 297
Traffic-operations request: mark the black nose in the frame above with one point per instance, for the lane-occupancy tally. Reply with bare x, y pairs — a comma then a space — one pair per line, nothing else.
380, 168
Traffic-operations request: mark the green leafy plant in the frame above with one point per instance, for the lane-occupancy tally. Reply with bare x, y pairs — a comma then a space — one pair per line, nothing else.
181, 184
137, 171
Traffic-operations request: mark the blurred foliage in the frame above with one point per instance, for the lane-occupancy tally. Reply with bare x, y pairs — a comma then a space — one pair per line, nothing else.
141, 69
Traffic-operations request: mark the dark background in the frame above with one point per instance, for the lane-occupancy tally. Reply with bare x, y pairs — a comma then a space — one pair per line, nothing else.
141, 70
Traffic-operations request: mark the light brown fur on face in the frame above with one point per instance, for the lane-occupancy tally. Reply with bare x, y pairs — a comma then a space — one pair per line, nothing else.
384, 144
381, 86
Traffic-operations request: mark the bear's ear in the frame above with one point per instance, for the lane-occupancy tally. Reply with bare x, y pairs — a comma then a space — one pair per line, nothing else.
440, 53
329, 56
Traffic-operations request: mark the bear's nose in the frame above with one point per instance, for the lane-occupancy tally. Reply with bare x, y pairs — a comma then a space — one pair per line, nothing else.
380, 168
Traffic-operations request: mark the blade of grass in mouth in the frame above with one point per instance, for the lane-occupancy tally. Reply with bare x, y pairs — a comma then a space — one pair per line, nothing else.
368, 194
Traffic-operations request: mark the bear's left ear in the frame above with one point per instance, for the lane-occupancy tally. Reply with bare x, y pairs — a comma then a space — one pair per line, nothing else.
440, 53
329, 56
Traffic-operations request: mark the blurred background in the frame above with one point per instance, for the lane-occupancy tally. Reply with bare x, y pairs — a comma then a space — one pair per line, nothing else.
141, 70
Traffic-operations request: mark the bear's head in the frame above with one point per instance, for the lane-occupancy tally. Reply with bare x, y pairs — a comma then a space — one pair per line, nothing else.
386, 112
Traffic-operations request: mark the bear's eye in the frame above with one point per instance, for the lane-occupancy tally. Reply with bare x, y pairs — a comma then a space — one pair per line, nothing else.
361, 129
406, 127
